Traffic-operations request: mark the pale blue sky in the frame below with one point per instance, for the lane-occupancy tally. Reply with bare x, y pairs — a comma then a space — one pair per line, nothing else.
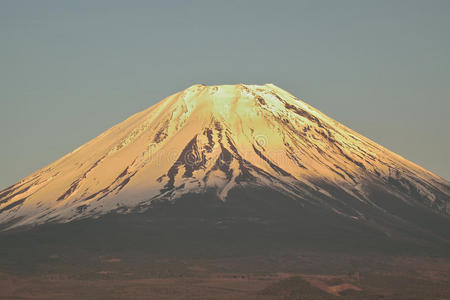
71, 69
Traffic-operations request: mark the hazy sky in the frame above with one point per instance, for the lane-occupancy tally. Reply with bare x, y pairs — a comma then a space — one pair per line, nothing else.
71, 69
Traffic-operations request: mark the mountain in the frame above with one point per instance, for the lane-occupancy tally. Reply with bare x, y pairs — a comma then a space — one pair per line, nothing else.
235, 146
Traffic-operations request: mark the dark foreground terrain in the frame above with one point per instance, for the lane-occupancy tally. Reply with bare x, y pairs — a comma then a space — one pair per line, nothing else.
294, 276
201, 249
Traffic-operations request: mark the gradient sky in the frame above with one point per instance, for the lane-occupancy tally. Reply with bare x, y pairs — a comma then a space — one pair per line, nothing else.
71, 69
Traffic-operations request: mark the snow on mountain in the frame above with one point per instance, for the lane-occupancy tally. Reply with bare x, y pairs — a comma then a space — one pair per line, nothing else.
217, 138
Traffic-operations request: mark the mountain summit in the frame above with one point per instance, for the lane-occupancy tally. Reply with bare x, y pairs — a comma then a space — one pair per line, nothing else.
226, 141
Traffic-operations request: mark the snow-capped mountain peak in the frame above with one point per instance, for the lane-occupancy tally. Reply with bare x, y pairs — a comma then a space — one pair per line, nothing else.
217, 138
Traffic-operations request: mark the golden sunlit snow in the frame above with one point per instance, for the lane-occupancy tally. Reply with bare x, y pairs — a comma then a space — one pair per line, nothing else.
210, 137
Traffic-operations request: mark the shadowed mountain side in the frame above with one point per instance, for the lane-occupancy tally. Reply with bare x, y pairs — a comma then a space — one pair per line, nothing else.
256, 221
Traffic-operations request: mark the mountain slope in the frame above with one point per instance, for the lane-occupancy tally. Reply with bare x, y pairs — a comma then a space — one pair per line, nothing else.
222, 139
